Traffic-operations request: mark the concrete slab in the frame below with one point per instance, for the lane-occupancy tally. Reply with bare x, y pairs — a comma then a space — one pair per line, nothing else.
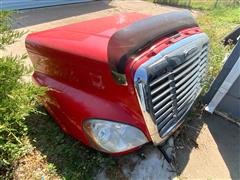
209, 149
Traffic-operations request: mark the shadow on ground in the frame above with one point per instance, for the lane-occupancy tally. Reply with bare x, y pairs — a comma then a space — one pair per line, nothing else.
42, 15
220, 143
71, 159
227, 138
66, 156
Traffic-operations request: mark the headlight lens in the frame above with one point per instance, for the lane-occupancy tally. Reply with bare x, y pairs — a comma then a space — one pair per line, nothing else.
113, 137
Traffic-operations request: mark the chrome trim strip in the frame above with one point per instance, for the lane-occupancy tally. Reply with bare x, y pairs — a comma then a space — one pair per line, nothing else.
141, 79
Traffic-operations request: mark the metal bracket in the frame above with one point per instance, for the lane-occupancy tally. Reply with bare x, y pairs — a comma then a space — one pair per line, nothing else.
170, 159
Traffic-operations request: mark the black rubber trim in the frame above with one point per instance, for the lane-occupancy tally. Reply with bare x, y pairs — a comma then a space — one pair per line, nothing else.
232, 37
142, 33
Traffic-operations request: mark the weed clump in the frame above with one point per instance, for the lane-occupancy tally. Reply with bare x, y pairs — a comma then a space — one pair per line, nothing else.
17, 98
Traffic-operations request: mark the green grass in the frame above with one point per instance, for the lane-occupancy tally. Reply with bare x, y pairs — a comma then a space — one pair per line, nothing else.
217, 24
18, 98
63, 156
32, 146
211, 4
199, 4
203, 5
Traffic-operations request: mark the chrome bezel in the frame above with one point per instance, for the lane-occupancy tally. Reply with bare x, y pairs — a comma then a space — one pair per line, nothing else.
141, 79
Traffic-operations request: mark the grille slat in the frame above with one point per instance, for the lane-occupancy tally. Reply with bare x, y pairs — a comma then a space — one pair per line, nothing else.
202, 73
203, 54
160, 87
203, 66
172, 83
160, 118
184, 97
187, 70
160, 111
204, 59
188, 89
162, 123
193, 74
159, 80
188, 83
161, 95
190, 98
166, 128
176, 70
173, 93
180, 113
157, 106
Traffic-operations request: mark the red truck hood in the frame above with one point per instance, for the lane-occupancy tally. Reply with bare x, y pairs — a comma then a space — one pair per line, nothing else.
88, 39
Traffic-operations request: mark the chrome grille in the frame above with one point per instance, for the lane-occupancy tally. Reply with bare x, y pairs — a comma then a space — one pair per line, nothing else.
173, 92
168, 84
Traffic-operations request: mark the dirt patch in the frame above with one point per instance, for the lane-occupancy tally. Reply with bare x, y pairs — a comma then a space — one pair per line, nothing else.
146, 163
33, 166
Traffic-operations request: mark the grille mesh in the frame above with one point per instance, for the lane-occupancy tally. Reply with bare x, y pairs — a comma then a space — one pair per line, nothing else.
172, 94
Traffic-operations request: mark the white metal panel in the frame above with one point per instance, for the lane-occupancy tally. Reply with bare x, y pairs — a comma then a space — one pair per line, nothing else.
224, 88
28, 4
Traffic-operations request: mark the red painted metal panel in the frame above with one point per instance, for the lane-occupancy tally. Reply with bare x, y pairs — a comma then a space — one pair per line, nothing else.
72, 62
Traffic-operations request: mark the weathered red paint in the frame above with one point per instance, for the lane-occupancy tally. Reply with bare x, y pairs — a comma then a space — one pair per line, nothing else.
72, 62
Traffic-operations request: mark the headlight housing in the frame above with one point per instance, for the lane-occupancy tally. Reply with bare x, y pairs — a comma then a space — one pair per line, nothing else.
113, 137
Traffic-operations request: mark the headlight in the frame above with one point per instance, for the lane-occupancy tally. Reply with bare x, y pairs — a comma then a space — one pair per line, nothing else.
113, 137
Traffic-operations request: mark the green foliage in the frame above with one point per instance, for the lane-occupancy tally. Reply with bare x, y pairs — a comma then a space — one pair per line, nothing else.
217, 24
22, 130
7, 35
199, 4
66, 157
17, 98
